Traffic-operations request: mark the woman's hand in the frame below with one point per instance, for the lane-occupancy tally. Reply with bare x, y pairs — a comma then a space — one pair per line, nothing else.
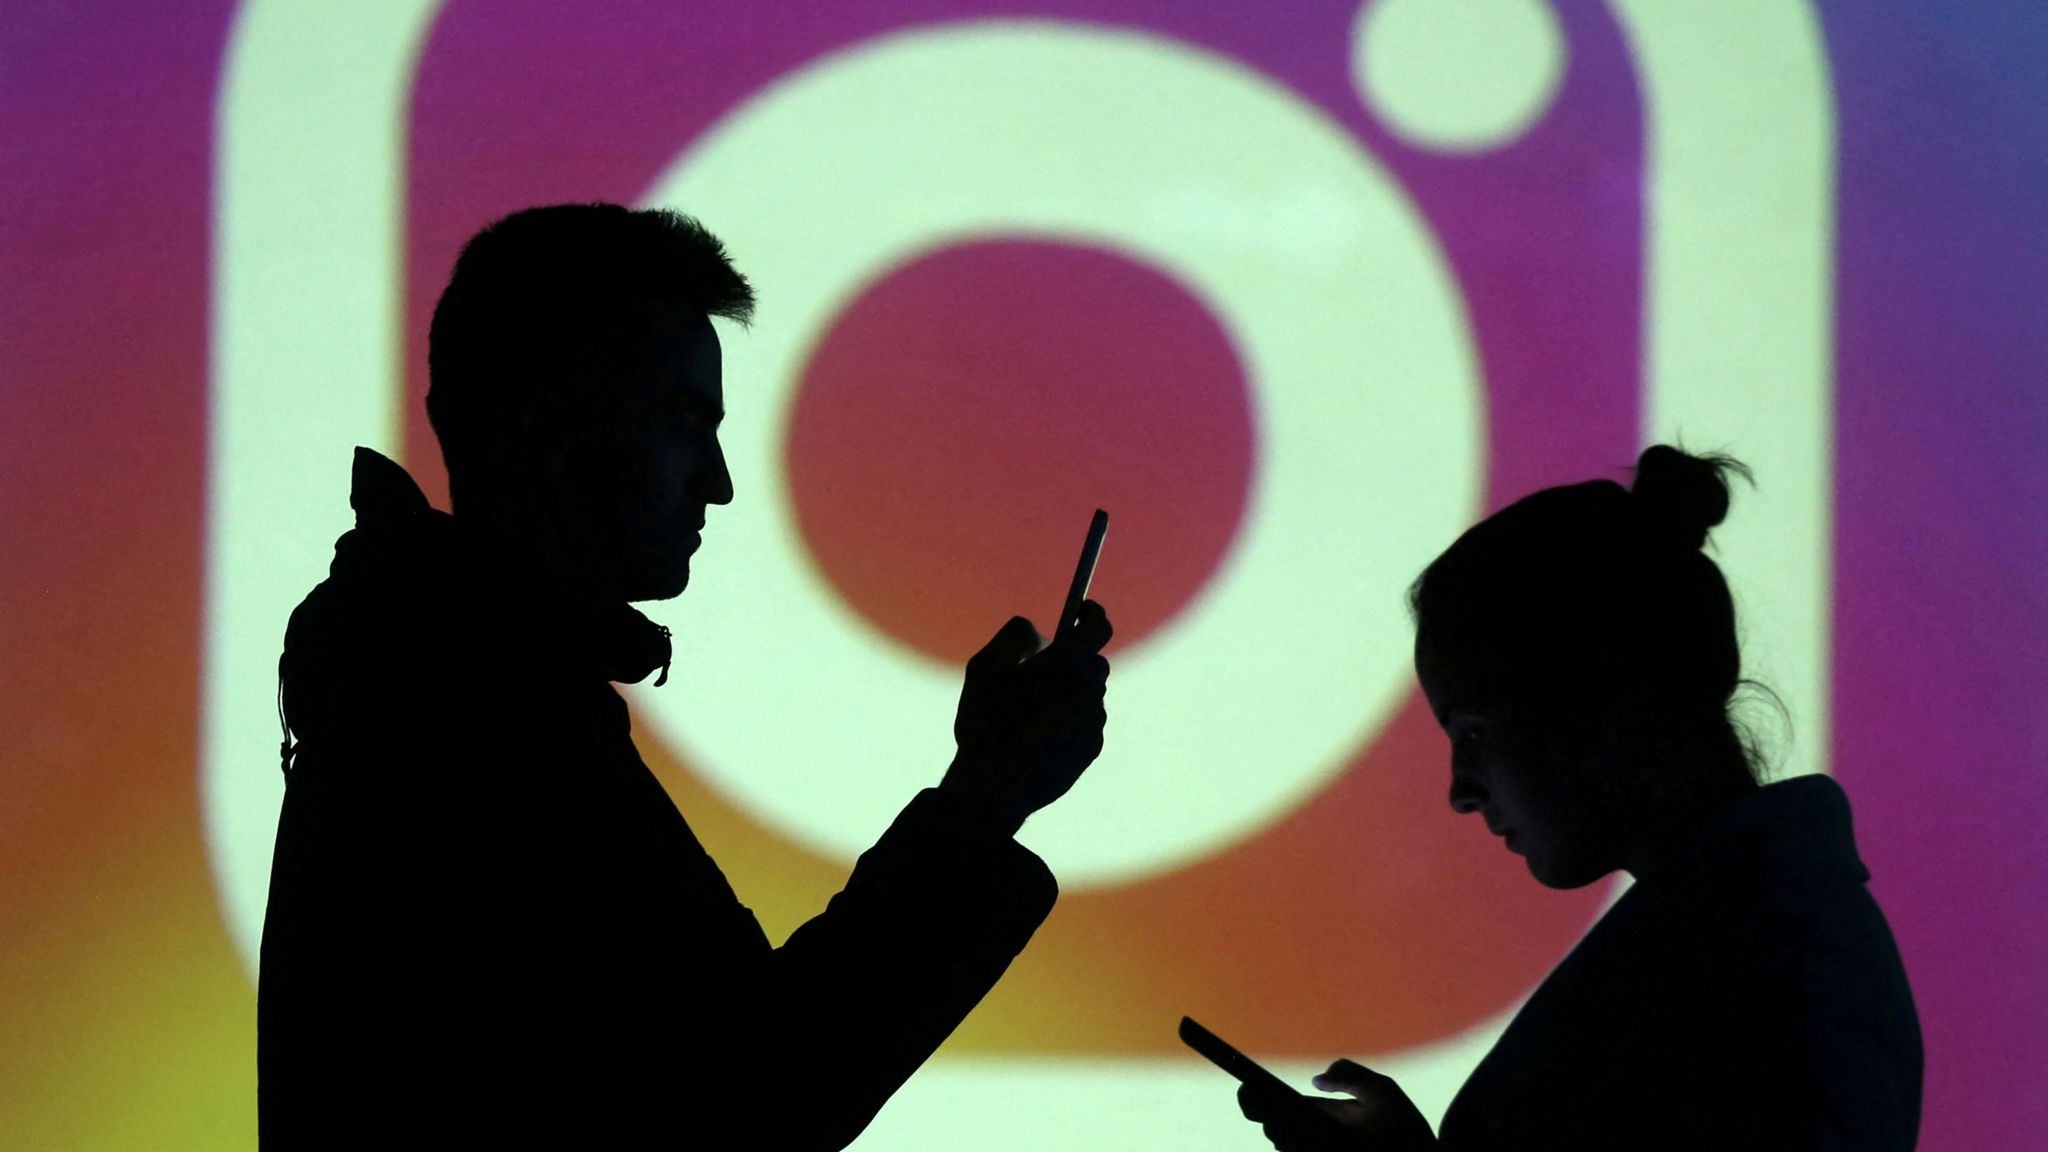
1378, 1118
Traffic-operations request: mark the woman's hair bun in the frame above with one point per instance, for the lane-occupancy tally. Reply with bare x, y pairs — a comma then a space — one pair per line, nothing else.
1679, 496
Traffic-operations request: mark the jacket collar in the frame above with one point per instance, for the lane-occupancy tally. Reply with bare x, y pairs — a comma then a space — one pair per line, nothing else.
381, 490
609, 637
1796, 831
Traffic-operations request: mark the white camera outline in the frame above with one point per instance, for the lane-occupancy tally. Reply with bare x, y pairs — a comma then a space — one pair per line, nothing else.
308, 276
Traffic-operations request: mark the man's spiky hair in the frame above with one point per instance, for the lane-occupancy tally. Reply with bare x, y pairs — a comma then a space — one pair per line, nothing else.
537, 293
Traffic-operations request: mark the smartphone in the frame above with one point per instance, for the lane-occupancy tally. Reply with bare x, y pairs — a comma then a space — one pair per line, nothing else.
1084, 574
1222, 1055
1251, 1074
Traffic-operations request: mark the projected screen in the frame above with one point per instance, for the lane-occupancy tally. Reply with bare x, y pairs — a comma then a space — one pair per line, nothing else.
1298, 292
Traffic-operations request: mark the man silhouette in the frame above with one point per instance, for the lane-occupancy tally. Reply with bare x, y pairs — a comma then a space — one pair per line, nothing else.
488, 924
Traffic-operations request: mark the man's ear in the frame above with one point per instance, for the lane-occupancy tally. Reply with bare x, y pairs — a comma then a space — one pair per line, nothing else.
534, 443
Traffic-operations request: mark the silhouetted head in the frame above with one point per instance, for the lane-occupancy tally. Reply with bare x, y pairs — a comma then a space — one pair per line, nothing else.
576, 387
1579, 649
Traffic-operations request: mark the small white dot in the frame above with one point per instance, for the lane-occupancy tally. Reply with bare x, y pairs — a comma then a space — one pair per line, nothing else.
1457, 75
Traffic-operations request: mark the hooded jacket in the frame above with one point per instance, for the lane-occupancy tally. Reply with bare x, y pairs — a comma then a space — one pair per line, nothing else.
1746, 993
489, 926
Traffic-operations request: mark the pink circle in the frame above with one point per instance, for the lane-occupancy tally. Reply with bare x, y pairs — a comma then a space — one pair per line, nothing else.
960, 420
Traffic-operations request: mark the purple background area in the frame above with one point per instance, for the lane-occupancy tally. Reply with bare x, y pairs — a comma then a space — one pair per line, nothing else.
1941, 600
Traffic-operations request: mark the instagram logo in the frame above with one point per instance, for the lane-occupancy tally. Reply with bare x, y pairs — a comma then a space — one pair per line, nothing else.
1296, 295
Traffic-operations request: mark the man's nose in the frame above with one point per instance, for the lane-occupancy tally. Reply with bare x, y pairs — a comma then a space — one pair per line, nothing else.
718, 484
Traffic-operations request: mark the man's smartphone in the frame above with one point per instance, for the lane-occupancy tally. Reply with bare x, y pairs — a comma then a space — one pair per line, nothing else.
1252, 1075
1084, 574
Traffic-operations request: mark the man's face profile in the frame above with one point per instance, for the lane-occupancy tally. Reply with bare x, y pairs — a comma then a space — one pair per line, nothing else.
655, 465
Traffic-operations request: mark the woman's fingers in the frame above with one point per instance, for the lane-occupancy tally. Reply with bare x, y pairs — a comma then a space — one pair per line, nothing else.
1348, 1076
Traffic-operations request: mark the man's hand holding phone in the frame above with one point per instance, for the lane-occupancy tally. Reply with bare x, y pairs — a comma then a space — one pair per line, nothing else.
1031, 714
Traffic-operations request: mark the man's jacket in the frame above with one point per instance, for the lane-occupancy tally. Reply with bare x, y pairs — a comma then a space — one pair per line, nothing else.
489, 926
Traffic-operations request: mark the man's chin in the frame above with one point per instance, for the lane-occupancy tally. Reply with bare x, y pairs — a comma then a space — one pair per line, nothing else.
663, 586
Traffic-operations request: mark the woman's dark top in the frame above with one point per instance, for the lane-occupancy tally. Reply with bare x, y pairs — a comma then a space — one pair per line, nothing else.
1745, 995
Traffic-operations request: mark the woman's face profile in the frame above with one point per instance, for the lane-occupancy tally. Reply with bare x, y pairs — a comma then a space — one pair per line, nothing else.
1532, 770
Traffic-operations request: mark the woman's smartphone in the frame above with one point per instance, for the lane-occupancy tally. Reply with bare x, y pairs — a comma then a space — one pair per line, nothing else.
1222, 1055
1252, 1075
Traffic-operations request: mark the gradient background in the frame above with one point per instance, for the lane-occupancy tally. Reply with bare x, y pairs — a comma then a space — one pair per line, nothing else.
126, 1018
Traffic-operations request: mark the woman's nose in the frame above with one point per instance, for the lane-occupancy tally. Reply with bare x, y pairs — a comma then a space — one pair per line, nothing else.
1466, 794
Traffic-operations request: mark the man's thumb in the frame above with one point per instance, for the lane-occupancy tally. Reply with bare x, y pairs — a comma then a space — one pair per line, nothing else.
1012, 642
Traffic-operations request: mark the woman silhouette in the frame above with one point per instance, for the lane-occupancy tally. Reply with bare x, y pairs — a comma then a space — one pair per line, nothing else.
1579, 649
